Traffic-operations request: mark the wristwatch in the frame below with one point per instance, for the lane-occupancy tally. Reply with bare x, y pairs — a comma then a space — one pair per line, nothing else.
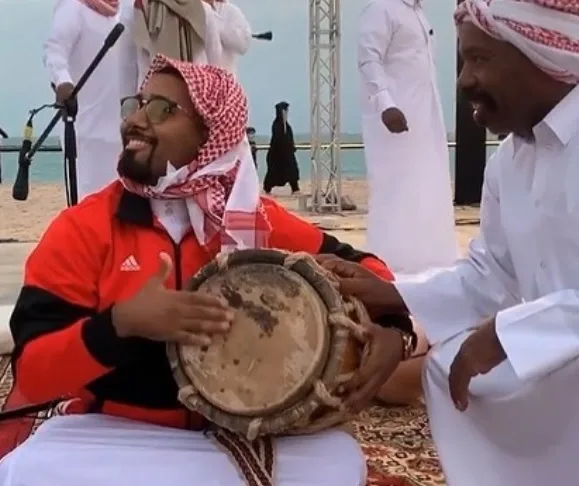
403, 325
408, 342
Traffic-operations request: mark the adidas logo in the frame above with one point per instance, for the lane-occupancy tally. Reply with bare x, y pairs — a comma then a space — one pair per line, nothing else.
130, 265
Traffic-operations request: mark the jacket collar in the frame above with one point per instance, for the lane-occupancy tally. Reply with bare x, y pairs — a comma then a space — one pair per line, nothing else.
134, 209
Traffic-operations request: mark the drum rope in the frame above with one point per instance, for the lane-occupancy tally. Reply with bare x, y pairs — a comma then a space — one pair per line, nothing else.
336, 317
222, 261
253, 428
325, 396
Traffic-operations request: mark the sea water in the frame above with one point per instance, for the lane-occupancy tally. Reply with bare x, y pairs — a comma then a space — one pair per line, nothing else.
49, 168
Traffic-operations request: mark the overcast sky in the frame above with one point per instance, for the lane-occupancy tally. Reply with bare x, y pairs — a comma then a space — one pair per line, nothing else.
270, 72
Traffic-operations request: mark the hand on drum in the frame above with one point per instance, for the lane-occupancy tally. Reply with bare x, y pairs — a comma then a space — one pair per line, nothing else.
161, 314
378, 295
386, 353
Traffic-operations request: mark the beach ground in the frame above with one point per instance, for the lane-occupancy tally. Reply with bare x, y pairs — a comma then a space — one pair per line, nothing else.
23, 224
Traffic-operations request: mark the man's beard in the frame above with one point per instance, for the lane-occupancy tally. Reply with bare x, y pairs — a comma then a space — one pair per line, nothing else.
140, 172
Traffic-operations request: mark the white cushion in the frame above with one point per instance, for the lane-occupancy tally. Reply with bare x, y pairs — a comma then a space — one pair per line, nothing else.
6, 342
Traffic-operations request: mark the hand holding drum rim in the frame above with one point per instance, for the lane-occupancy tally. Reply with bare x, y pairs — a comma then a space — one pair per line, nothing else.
378, 295
166, 315
386, 351
386, 346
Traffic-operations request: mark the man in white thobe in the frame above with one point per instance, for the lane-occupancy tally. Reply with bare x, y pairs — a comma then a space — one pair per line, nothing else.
501, 380
234, 32
128, 67
77, 33
405, 143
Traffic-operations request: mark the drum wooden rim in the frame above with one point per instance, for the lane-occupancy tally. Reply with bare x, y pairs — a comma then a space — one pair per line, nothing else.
275, 423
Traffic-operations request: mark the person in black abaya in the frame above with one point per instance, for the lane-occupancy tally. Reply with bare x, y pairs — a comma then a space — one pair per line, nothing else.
250, 132
3, 134
282, 166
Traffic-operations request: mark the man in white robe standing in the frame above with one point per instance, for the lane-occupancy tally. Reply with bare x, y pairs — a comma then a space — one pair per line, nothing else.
77, 33
405, 143
501, 380
234, 32
128, 66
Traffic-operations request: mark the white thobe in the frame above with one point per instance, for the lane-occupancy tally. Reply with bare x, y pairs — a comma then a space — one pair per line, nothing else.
522, 426
76, 35
211, 54
99, 450
128, 69
410, 196
234, 32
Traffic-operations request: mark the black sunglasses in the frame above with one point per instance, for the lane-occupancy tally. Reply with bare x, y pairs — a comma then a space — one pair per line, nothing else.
157, 108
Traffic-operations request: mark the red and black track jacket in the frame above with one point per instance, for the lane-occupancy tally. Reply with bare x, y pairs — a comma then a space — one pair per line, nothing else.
101, 252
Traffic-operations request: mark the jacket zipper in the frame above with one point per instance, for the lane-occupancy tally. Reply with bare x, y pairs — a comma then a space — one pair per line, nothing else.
177, 263
179, 286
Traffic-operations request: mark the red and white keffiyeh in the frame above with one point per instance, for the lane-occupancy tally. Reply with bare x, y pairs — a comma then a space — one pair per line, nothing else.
546, 31
107, 8
221, 186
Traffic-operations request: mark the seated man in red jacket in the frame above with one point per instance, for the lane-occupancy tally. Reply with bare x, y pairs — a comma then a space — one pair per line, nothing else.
102, 295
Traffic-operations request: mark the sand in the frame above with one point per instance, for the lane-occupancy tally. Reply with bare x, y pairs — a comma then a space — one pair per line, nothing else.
25, 221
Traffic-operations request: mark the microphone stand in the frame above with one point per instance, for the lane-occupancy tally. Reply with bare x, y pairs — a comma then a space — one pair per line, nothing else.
70, 181
21, 182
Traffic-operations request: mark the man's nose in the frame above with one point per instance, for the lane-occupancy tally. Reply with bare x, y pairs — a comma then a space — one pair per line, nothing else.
137, 119
466, 80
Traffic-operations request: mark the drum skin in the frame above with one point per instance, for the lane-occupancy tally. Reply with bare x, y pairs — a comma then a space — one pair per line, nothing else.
277, 340
292, 345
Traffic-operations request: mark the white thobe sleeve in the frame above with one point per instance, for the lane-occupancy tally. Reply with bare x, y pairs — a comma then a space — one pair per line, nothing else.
63, 35
374, 36
449, 301
213, 49
234, 29
542, 335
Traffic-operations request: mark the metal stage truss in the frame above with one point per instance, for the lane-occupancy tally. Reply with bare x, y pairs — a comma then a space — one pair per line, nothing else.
325, 95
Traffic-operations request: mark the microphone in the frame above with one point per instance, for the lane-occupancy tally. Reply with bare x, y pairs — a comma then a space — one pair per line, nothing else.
264, 36
21, 186
113, 36
109, 42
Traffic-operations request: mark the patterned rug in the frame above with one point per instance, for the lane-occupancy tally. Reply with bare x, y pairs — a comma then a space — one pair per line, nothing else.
396, 440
